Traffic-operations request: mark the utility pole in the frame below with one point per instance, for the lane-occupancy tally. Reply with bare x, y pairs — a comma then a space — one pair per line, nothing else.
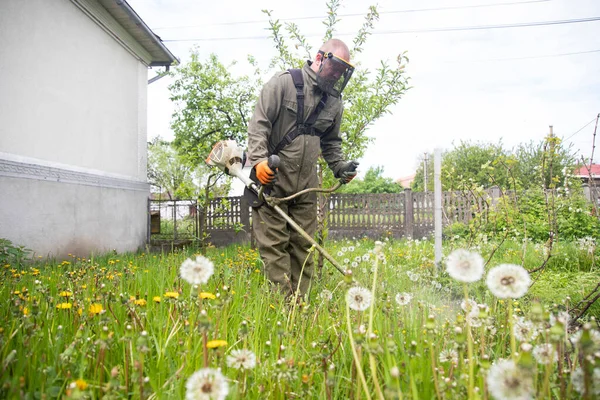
425, 172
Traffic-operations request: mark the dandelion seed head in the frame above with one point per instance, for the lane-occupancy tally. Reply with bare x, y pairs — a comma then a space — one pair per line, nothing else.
507, 381
206, 384
508, 281
197, 272
358, 298
449, 355
241, 359
577, 379
524, 330
403, 298
326, 295
545, 354
465, 266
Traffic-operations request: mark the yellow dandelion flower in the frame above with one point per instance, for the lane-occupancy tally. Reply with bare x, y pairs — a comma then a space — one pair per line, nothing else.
95, 308
25, 311
17, 292
213, 344
64, 306
206, 295
131, 298
84, 286
80, 311
81, 384
272, 306
156, 299
140, 302
65, 293
172, 295
257, 270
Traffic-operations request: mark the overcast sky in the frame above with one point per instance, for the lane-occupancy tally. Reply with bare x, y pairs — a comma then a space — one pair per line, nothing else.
483, 85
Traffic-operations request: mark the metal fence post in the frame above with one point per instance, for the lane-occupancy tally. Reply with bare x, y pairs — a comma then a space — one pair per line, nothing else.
245, 217
409, 216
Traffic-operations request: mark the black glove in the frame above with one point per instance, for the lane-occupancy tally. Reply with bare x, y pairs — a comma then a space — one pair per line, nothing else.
347, 171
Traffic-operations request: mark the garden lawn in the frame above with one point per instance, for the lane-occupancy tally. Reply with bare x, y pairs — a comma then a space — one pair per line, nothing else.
128, 326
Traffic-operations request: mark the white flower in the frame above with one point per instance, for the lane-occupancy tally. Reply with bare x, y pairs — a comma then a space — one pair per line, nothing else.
507, 381
470, 307
465, 266
577, 379
403, 298
508, 281
358, 298
594, 335
414, 277
545, 354
326, 295
197, 272
524, 330
474, 320
449, 355
206, 384
241, 359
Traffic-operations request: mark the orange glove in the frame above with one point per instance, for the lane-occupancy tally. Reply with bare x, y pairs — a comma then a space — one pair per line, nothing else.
264, 174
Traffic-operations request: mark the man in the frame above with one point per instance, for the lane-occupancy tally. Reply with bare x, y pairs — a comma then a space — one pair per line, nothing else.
283, 250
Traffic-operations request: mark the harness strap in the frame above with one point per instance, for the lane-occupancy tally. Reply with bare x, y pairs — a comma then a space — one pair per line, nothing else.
302, 127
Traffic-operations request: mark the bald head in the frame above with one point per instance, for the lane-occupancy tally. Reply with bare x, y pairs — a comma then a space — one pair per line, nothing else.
335, 46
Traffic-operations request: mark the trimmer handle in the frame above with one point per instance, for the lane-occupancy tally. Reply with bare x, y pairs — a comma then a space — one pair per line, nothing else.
273, 162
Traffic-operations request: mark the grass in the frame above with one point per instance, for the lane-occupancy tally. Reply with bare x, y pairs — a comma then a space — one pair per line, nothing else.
126, 326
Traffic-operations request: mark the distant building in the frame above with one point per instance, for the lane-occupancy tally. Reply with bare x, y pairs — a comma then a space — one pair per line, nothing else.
406, 181
584, 174
73, 156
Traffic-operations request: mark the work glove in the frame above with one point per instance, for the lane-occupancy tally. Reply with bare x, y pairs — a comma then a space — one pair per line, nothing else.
347, 171
264, 174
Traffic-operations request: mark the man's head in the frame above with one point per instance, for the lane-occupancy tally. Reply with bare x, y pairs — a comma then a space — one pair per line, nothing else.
333, 68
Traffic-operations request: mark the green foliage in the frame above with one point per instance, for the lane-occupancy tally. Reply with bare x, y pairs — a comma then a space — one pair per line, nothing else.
128, 326
11, 254
529, 216
213, 105
168, 171
367, 97
373, 182
544, 164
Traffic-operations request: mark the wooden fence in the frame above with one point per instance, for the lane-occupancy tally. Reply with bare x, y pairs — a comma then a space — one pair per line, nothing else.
407, 214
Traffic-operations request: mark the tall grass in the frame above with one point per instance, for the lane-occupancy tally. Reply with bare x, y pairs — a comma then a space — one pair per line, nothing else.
127, 326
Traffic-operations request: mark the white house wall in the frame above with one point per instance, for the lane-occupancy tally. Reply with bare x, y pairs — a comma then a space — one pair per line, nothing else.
72, 104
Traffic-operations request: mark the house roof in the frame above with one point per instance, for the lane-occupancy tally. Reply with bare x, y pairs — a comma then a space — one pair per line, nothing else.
405, 181
155, 52
120, 21
594, 170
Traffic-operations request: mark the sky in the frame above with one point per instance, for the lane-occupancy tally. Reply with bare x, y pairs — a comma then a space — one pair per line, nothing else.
478, 85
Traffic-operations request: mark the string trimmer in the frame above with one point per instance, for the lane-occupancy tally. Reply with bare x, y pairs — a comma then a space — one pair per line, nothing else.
229, 157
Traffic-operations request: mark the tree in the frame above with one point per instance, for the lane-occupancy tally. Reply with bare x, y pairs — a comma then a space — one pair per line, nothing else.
367, 96
373, 182
488, 164
548, 158
168, 171
467, 162
212, 105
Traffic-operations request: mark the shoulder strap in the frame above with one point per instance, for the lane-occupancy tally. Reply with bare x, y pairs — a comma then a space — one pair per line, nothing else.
299, 84
302, 127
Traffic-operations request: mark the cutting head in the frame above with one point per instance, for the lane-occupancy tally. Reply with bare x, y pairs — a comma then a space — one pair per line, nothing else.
227, 156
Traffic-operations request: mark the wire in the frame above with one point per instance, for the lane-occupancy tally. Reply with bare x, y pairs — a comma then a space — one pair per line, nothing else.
527, 57
580, 129
387, 32
357, 14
